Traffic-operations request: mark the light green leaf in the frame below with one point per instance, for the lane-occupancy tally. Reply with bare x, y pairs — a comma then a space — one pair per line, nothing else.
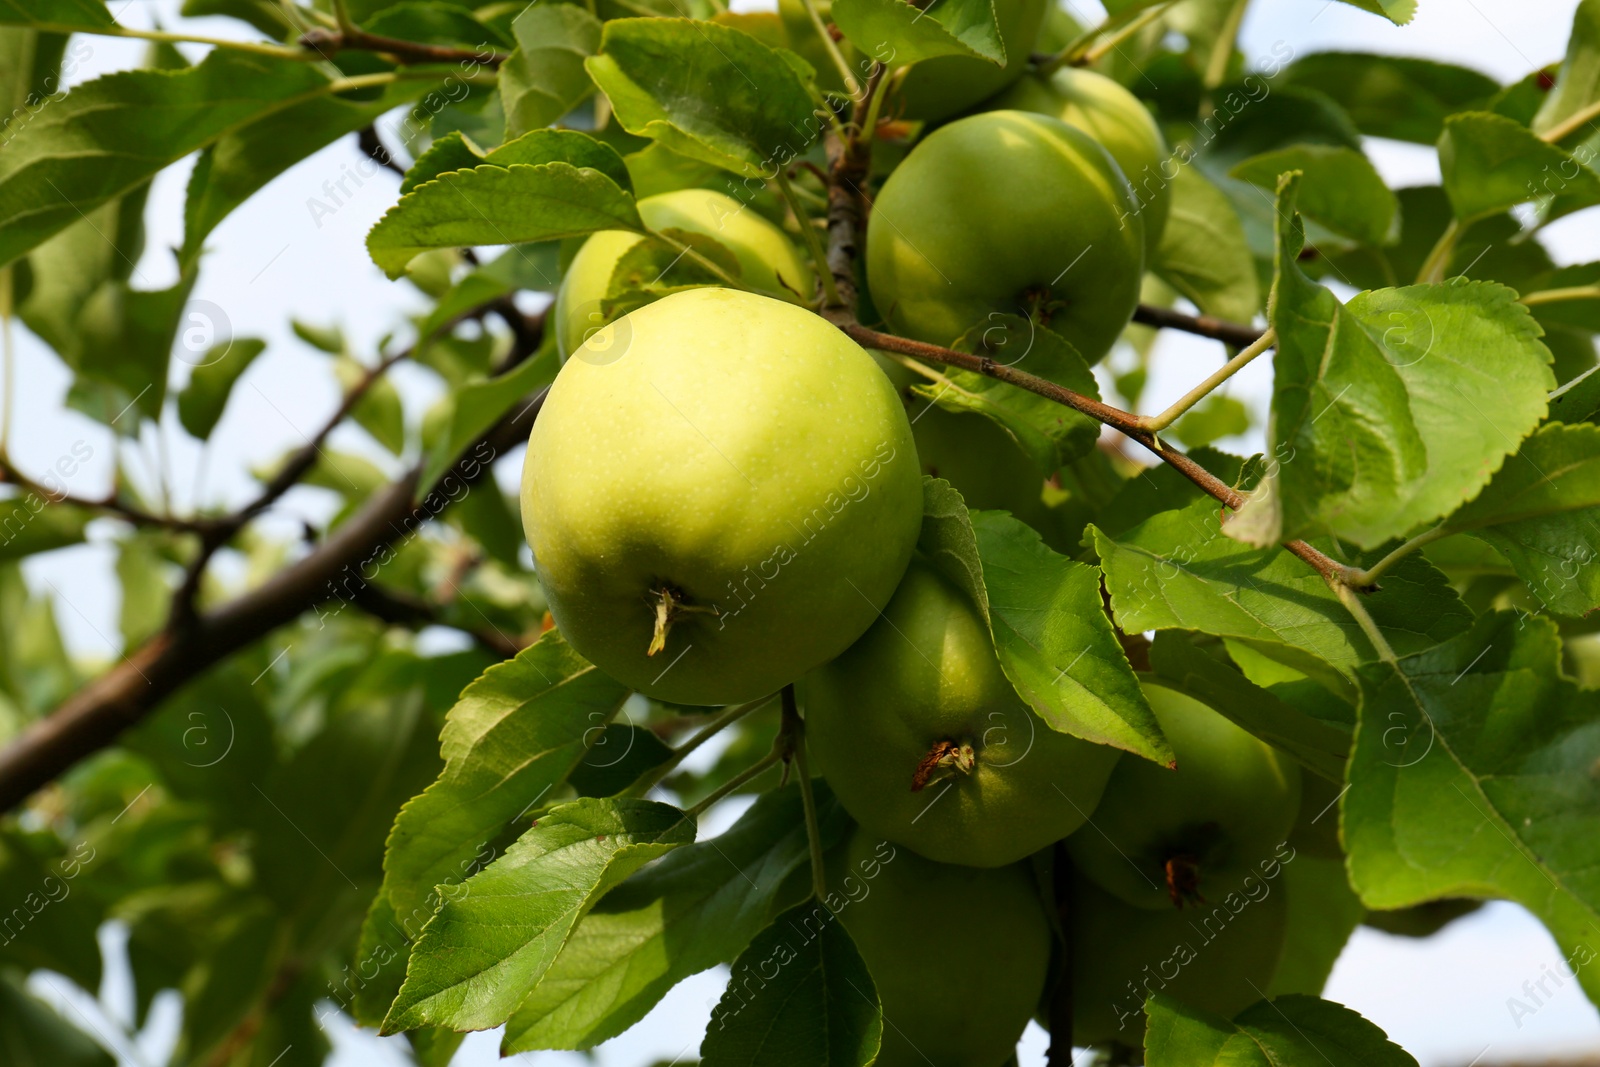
1473, 776
1204, 254
479, 405
490, 205
379, 410
821, 1008
1490, 163
1321, 746
948, 541
1398, 12
545, 77
1287, 1031
1578, 82
142, 573
1050, 433
113, 134
708, 92
30, 523
1177, 571
201, 403
1055, 643
563, 146
535, 267
1372, 403
1339, 187
59, 15
511, 738
1397, 97
486, 948
698, 907
899, 33
1218, 415
1542, 513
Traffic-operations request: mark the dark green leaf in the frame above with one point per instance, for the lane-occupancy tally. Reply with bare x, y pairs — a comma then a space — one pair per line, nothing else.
1056, 644
545, 77
1491, 163
59, 15
1473, 775
511, 738
491, 205
1204, 254
819, 1007
478, 406
29, 523
33, 1035
1178, 571
708, 92
1339, 187
201, 403
900, 34
51, 918
618, 759
698, 907
1393, 96
1287, 1031
486, 948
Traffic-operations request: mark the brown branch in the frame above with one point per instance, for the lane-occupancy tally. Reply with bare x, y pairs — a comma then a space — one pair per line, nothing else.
402, 609
1119, 420
1236, 334
849, 163
329, 43
92, 718
369, 142
10, 474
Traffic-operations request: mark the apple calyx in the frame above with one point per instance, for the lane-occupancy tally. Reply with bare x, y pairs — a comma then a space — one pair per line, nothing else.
943, 760
1183, 880
670, 605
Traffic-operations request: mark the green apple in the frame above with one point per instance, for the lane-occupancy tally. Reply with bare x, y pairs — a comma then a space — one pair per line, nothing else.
959, 955
937, 88
1186, 836
1219, 958
767, 258
925, 742
1006, 213
1113, 116
1316, 825
721, 492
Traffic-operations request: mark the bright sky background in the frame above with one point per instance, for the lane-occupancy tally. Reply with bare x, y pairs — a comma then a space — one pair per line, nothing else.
1443, 999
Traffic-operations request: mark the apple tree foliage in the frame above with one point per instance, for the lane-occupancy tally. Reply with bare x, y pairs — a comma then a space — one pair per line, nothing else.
292, 807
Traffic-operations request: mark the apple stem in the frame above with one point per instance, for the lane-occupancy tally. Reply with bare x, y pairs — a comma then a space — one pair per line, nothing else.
669, 605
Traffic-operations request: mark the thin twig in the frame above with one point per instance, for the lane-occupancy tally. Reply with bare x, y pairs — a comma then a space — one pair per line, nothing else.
1157, 423
794, 732
725, 718
327, 44
1236, 334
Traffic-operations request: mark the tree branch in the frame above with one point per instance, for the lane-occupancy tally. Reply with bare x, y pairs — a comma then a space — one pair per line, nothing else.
1236, 334
92, 718
329, 43
402, 609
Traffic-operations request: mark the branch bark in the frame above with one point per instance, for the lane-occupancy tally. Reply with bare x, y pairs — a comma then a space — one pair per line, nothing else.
329, 43
93, 717
1236, 334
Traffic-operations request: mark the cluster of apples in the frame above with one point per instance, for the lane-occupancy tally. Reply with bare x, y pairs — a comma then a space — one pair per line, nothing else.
724, 495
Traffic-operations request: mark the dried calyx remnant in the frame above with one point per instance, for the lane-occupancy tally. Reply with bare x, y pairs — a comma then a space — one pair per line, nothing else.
1183, 880
944, 759
669, 604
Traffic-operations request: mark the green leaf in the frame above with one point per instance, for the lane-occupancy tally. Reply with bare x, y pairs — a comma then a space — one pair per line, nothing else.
900, 34
379, 410
201, 403
1392, 411
1578, 82
142, 573
1217, 416
453, 151
1288, 1030
1473, 775
1490, 163
1540, 512
534, 267
59, 15
563, 146
1203, 252
56, 928
1178, 571
479, 405
30, 524
1396, 97
820, 1008
698, 907
1339, 187
241, 162
1050, 433
1323, 912
1322, 747
1398, 12
485, 949
113, 134
1055, 643
511, 738
34, 1035
490, 205
707, 91
948, 541
545, 77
